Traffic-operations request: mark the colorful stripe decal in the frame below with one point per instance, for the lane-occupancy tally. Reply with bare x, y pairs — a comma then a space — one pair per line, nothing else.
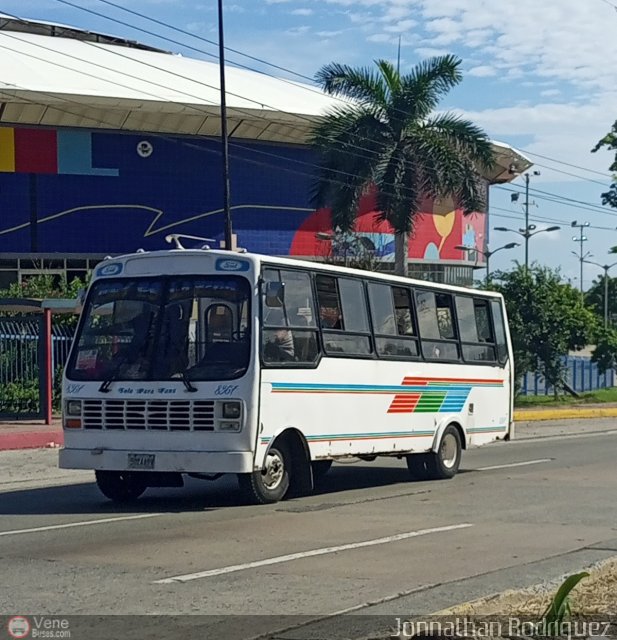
413, 395
348, 437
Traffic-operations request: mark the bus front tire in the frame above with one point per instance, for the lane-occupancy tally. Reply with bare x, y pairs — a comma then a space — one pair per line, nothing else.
271, 483
120, 486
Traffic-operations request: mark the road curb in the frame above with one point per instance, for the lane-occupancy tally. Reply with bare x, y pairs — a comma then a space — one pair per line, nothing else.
538, 415
31, 440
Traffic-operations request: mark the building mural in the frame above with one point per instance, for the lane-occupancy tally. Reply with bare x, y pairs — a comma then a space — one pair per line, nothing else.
97, 192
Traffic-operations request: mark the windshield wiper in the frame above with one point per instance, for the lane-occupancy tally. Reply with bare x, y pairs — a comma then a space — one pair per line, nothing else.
187, 383
106, 384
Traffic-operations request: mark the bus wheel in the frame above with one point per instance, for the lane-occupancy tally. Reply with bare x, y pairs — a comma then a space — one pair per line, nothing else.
444, 463
271, 483
320, 468
120, 486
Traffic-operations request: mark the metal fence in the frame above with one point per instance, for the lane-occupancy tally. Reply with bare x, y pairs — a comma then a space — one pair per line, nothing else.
581, 374
22, 358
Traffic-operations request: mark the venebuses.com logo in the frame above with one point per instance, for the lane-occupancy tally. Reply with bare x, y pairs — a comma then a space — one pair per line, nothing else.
38, 627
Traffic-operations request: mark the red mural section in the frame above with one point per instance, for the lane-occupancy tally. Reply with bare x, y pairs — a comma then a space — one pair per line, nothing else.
439, 229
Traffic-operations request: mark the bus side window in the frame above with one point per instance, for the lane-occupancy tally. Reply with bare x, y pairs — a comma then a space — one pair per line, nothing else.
475, 329
500, 332
436, 324
392, 321
343, 316
290, 329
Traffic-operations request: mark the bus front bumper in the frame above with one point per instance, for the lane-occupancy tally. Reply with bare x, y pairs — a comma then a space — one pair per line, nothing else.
171, 461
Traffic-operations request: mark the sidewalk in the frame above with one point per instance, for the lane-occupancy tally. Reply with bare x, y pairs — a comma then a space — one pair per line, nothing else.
530, 423
30, 434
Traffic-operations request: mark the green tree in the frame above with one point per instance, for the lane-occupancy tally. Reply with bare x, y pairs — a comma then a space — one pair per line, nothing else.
43, 285
388, 137
609, 142
605, 352
547, 319
594, 297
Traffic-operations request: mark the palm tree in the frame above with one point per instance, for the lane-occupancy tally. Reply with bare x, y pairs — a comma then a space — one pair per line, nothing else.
386, 136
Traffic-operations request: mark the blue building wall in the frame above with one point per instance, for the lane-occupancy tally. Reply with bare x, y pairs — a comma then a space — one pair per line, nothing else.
103, 196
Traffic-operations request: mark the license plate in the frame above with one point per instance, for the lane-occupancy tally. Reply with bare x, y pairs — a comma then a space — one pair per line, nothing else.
141, 461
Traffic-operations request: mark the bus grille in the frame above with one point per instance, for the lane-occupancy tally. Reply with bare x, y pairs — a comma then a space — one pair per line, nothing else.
155, 415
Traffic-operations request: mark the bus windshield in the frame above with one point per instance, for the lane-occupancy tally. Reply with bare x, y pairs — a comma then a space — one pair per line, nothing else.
190, 327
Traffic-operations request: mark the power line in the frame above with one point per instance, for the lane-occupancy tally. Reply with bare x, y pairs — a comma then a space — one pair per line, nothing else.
567, 164
265, 62
551, 198
280, 68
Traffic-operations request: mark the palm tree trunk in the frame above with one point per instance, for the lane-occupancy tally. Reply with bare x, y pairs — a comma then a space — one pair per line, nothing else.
401, 251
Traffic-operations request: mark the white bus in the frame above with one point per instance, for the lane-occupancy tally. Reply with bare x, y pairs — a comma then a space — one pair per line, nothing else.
207, 362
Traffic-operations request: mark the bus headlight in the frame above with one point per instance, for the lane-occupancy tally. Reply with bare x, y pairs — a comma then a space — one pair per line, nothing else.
73, 408
232, 410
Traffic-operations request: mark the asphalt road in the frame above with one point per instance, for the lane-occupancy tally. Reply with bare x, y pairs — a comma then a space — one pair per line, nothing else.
369, 540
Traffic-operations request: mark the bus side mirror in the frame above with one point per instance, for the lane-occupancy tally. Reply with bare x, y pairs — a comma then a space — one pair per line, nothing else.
275, 294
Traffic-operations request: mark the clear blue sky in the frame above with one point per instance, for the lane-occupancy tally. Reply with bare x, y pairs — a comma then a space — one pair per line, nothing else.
539, 75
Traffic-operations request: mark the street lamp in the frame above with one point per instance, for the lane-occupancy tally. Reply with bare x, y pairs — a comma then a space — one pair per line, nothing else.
582, 238
487, 253
606, 268
528, 227
528, 232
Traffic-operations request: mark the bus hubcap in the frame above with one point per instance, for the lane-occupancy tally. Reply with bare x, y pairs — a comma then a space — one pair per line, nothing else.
274, 470
448, 450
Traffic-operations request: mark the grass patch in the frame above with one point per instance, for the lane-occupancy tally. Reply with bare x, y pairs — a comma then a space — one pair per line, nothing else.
591, 397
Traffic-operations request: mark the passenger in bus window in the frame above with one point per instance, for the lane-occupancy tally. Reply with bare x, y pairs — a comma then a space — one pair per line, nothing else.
330, 318
279, 341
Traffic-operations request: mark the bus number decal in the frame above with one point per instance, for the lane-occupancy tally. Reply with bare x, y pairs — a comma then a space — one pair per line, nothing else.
225, 389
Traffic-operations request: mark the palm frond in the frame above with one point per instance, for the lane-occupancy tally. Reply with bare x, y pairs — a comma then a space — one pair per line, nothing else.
422, 88
469, 139
363, 85
390, 75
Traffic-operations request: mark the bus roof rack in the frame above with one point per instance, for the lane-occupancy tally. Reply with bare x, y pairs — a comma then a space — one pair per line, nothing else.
176, 237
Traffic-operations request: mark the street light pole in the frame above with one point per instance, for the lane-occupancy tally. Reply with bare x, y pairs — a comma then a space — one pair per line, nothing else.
224, 140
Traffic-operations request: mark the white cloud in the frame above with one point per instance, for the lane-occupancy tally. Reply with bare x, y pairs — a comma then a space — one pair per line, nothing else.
328, 34
302, 12
482, 71
401, 26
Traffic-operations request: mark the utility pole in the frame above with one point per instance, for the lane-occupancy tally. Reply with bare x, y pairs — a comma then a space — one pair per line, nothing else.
224, 140
526, 223
581, 239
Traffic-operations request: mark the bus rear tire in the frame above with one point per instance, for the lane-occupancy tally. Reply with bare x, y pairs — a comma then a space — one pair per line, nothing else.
320, 468
271, 483
120, 486
444, 463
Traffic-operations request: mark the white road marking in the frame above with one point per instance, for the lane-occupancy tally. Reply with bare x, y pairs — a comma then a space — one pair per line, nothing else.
309, 554
515, 464
85, 523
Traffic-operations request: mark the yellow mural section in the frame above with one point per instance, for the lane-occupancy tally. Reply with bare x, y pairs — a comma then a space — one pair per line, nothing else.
7, 150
